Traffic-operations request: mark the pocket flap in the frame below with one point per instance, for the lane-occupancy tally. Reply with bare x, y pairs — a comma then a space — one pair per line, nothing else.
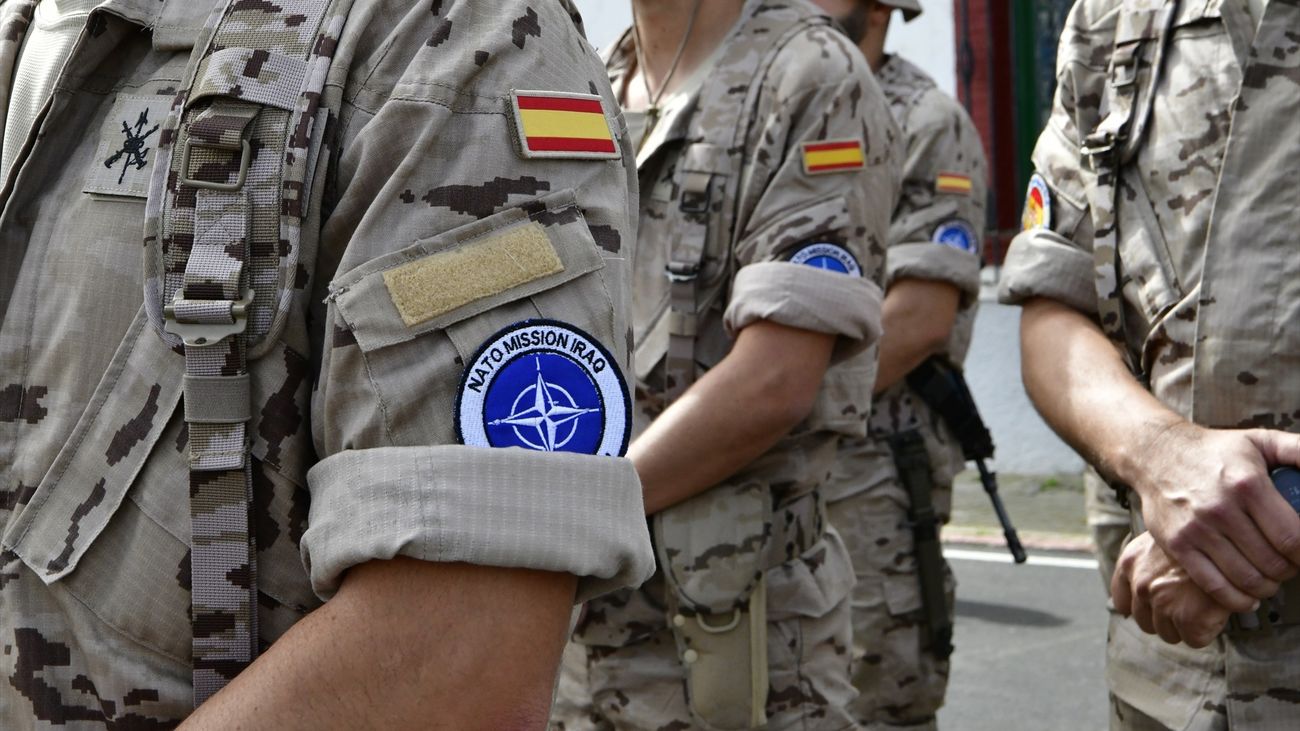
465, 272
711, 547
108, 447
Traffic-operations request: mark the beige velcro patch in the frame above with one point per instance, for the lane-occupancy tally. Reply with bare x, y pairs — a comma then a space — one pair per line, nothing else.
438, 284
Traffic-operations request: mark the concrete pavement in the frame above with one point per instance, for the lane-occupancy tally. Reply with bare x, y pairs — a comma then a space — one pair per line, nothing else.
1031, 643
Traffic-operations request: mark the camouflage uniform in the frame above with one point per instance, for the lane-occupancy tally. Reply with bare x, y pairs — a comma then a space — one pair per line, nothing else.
1205, 220
641, 655
355, 453
901, 684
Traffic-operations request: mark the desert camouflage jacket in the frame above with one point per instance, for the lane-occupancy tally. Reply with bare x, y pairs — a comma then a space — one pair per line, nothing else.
1206, 213
448, 228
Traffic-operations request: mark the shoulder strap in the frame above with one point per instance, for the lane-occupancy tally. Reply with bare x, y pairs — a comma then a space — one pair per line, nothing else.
713, 161
226, 205
1117, 139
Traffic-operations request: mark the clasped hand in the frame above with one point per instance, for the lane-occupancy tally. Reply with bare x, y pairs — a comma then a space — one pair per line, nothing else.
1221, 538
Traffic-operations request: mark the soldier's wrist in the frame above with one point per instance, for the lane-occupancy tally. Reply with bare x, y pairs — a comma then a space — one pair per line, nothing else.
1143, 458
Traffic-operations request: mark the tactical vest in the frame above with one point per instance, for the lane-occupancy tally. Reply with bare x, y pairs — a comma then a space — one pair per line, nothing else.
716, 600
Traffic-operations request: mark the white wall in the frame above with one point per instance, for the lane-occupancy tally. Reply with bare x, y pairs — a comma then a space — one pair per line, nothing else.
926, 41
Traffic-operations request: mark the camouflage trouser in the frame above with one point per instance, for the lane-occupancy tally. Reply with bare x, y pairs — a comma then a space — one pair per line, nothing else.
901, 685
1242, 682
640, 685
1108, 522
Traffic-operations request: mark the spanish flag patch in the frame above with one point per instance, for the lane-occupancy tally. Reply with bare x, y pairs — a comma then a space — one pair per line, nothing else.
565, 126
954, 184
833, 156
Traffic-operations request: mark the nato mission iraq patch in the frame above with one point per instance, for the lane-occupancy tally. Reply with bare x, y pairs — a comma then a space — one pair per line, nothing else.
545, 386
828, 256
563, 126
833, 156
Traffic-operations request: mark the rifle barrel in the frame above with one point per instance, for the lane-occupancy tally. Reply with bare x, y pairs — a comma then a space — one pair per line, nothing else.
990, 481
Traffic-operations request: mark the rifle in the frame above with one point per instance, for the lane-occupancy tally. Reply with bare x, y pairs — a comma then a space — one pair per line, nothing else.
942, 387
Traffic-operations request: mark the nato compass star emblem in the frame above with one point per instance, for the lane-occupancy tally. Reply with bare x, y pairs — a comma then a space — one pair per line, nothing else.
134, 149
541, 408
544, 386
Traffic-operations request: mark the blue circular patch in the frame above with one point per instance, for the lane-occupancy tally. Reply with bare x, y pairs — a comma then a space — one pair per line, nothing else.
544, 386
958, 234
831, 257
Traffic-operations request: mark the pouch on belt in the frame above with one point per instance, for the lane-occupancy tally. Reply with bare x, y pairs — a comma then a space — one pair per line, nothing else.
713, 551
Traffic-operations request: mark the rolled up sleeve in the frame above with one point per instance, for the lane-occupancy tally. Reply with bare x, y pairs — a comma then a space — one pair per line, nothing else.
507, 508
1041, 263
927, 260
811, 299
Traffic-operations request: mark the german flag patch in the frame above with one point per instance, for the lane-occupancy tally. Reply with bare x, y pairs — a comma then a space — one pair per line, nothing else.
563, 126
954, 184
833, 156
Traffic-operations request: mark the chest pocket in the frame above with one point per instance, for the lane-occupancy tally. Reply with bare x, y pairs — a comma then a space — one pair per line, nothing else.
110, 525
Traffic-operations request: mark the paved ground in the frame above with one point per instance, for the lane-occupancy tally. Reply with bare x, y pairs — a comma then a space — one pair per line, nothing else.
1030, 643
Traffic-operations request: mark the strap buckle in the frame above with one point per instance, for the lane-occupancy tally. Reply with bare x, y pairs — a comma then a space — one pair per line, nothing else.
202, 335
1098, 146
245, 159
681, 272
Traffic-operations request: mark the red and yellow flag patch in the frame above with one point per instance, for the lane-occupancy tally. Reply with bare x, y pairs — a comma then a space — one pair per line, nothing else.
565, 126
954, 184
833, 156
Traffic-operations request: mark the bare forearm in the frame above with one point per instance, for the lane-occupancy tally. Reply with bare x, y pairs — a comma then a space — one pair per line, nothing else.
1081, 386
734, 414
410, 645
918, 318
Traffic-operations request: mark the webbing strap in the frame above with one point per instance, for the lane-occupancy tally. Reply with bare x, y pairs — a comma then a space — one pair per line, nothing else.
222, 233
1109, 147
711, 164
913, 464
223, 550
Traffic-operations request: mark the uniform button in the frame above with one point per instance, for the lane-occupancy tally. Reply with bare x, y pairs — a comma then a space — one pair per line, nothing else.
690, 656
679, 621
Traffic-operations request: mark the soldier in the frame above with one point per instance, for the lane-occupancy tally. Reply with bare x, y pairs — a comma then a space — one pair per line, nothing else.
768, 164
1158, 339
931, 294
380, 245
